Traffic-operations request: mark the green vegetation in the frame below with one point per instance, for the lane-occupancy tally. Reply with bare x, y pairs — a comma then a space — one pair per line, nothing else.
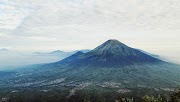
152, 99
84, 95
175, 97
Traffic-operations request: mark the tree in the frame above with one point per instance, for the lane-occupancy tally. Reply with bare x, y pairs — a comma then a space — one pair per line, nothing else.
125, 100
152, 99
175, 97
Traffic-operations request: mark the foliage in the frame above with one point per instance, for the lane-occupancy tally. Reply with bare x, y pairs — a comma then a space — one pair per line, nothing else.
125, 100
83, 95
152, 99
175, 97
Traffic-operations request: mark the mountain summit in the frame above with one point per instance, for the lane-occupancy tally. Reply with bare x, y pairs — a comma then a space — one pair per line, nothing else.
112, 53
111, 46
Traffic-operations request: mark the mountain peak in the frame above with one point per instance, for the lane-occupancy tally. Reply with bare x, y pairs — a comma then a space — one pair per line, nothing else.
57, 51
113, 42
79, 53
112, 46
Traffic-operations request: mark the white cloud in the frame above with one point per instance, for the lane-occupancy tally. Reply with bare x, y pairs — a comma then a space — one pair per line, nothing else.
11, 16
130, 15
65, 24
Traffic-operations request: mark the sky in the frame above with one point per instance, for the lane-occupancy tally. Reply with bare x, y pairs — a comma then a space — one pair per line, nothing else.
47, 25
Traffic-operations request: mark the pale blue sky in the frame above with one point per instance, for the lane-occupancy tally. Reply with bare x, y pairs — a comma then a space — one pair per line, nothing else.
46, 25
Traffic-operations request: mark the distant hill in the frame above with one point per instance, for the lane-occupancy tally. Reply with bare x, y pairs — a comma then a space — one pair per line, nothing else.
59, 53
4, 50
8, 58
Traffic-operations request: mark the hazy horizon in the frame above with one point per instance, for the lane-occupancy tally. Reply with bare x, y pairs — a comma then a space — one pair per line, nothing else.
48, 25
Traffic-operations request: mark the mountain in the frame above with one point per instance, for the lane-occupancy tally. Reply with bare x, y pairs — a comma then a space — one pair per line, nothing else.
6, 51
59, 53
84, 50
112, 64
110, 54
3, 50
8, 58
56, 52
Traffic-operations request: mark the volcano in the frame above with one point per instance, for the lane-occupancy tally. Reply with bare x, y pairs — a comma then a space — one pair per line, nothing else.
114, 61
112, 53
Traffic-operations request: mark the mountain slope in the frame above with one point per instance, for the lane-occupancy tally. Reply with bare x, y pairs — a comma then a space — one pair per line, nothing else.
110, 54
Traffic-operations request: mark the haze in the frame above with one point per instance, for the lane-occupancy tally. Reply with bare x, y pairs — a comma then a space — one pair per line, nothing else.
47, 25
